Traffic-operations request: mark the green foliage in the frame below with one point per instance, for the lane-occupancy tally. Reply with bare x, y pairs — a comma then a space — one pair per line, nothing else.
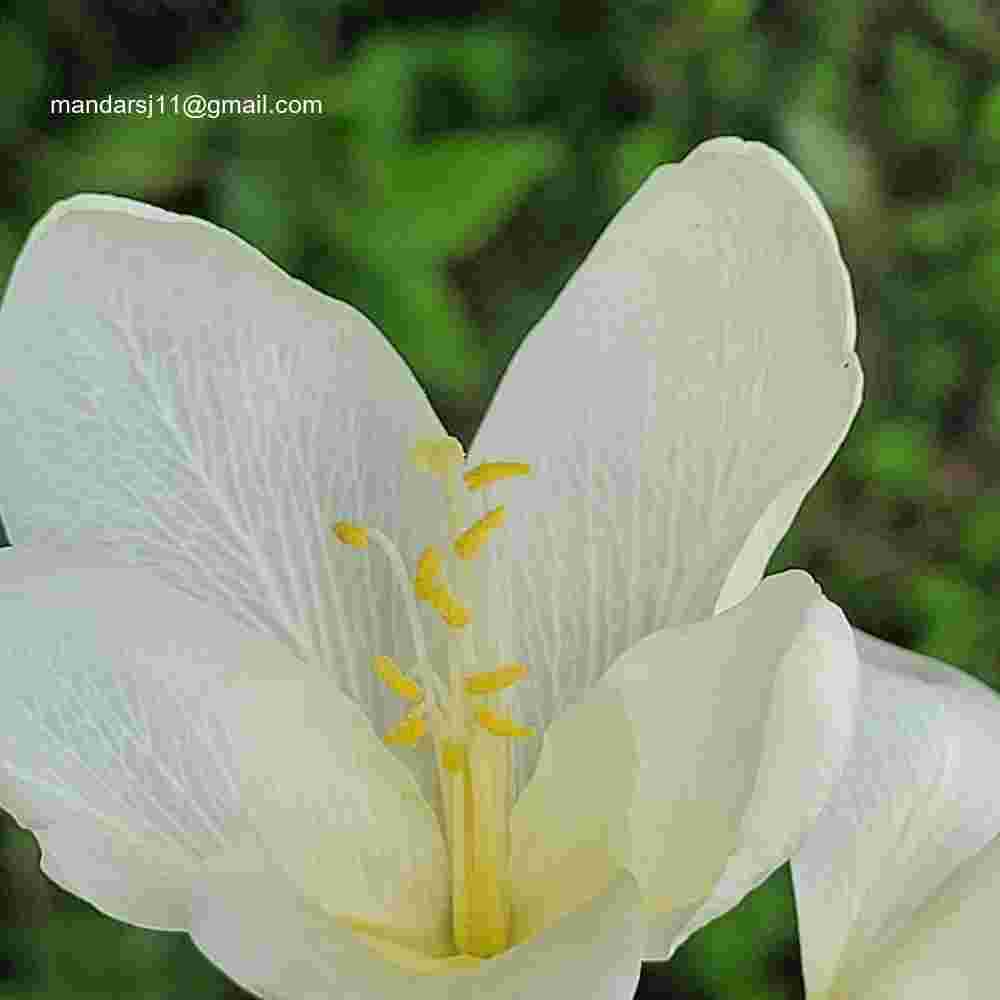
898, 457
24, 62
746, 944
987, 127
642, 148
420, 215
148, 162
462, 166
980, 537
957, 617
926, 99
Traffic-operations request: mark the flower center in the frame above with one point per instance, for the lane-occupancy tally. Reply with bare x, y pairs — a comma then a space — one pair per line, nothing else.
470, 733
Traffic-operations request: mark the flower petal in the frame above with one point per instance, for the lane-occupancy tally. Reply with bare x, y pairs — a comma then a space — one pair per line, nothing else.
898, 881
697, 367
169, 390
341, 815
288, 950
128, 712
948, 947
697, 763
569, 827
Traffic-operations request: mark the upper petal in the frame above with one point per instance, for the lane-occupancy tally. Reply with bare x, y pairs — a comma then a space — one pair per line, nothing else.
144, 736
698, 367
697, 762
897, 881
169, 390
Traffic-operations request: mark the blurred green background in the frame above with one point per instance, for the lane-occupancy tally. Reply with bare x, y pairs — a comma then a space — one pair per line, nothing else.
466, 159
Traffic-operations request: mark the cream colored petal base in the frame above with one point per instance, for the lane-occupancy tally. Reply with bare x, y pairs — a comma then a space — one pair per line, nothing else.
288, 950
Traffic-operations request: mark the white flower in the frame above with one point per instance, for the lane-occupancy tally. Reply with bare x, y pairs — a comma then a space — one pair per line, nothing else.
898, 886
190, 721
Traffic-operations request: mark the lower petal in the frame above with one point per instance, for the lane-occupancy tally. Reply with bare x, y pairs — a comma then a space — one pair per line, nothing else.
142, 734
291, 950
697, 763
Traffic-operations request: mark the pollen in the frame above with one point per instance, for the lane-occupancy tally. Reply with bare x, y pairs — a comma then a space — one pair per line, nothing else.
490, 681
499, 725
428, 571
407, 732
492, 472
437, 455
472, 539
394, 679
352, 534
452, 611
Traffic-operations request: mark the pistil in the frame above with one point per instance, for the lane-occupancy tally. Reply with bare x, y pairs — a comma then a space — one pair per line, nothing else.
471, 738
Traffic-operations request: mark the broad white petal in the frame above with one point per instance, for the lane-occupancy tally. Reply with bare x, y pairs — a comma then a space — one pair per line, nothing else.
697, 367
904, 860
289, 950
342, 816
697, 763
143, 734
169, 390
948, 949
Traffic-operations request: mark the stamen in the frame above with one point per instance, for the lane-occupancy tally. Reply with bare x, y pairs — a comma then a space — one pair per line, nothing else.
492, 472
426, 587
428, 570
472, 539
437, 455
451, 610
394, 679
407, 732
473, 771
499, 725
432, 683
490, 681
355, 535
453, 755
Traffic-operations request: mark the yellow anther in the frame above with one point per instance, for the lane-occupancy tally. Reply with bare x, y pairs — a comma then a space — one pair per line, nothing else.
495, 680
451, 610
407, 732
394, 679
453, 755
438, 597
454, 612
492, 472
351, 534
471, 540
428, 570
437, 455
499, 725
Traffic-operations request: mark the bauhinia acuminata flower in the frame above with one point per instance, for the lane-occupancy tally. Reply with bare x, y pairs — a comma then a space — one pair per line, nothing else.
367, 717
898, 885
